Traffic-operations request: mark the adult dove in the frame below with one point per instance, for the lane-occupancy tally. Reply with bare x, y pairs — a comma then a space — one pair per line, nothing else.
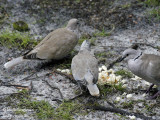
56, 45
146, 66
85, 68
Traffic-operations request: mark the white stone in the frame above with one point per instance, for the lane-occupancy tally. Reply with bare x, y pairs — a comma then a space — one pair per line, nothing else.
68, 71
144, 95
104, 68
118, 99
118, 78
147, 83
124, 86
124, 81
100, 69
132, 117
58, 69
63, 71
129, 96
124, 94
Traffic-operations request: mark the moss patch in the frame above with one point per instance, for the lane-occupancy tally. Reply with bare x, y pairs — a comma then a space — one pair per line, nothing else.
43, 109
66, 110
152, 2
155, 13
91, 40
128, 104
124, 73
20, 112
109, 89
102, 33
16, 39
20, 26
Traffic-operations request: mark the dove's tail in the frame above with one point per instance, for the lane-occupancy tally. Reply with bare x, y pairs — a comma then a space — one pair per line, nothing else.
14, 62
85, 45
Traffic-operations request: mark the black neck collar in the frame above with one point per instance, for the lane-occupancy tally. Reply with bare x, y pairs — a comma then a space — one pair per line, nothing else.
138, 56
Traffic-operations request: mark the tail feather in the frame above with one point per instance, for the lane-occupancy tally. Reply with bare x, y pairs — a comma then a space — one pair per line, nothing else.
14, 62
93, 89
85, 45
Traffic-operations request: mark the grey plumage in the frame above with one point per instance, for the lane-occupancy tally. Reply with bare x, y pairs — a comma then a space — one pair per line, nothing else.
85, 69
56, 45
146, 66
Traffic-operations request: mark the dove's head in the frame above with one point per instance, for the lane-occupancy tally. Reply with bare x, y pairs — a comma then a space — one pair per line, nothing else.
72, 24
131, 54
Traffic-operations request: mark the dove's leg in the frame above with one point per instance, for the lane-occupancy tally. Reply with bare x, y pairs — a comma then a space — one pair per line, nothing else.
155, 95
149, 89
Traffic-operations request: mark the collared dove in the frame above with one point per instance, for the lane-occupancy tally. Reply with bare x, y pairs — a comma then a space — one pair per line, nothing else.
146, 66
85, 68
56, 45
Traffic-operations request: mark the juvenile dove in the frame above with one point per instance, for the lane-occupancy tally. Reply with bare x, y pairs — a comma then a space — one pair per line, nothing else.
85, 68
56, 45
146, 66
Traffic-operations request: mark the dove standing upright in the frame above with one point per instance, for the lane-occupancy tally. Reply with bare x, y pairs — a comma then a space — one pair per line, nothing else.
56, 45
85, 68
146, 66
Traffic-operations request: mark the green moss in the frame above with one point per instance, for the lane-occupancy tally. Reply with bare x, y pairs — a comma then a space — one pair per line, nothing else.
20, 112
43, 109
103, 33
150, 107
126, 6
104, 89
16, 39
20, 26
109, 89
22, 100
66, 110
122, 117
124, 73
91, 40
101, 57
155, 13
119, 87
101, 54
128, 104
152, 2
101, 60
81, 40
77, 1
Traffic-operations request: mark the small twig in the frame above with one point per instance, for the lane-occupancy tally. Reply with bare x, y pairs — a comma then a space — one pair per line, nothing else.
117, 110
54, 88
77, 96
9, 85
28, 76
66, 75
111, 104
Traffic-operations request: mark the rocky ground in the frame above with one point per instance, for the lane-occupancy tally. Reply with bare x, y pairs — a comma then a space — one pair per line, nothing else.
34, 90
